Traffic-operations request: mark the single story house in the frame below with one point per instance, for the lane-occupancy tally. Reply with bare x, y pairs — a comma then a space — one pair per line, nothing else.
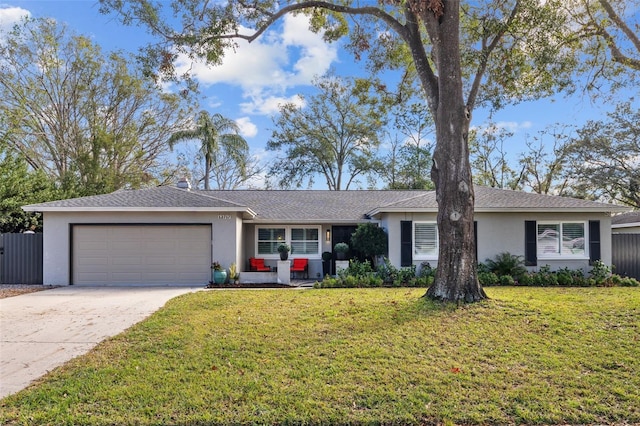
626, 223
171, 235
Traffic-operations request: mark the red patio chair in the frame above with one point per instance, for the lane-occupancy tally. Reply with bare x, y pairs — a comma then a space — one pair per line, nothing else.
257, 265
300, 265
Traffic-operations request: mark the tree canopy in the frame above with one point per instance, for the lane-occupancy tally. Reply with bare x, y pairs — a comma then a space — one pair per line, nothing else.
334, 135
89, 121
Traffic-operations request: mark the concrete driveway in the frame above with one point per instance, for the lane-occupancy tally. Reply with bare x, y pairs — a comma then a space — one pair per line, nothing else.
40, 331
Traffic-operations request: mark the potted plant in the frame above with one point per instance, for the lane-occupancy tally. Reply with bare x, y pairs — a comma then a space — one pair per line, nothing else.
234, 275
327, 256
284, 250
341, 250
219, 273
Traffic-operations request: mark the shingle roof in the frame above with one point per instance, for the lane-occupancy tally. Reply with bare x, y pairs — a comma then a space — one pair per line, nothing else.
626, 218
314, 205
158, 197
494, 199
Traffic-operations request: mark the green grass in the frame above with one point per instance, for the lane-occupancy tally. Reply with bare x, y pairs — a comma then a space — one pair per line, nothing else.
529, 355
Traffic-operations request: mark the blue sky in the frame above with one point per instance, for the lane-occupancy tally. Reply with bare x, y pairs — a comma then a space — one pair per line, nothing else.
277, 67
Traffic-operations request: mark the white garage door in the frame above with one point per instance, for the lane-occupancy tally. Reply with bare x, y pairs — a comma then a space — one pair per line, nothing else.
117, 254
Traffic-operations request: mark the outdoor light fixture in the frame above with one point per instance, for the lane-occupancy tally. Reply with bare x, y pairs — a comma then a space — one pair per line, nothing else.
327, 236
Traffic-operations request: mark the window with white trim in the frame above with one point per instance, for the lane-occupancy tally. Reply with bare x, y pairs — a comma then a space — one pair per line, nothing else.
269, 239
562, 239
425, 240
304, 241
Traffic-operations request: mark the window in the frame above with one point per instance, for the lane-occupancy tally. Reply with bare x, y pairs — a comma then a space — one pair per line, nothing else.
303, 241
269, 239
561, 239
425, 240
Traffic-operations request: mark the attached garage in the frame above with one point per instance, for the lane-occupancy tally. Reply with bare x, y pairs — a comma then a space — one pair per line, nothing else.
150, 254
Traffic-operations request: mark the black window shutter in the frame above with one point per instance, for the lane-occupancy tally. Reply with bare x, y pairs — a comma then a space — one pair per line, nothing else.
530, 243
475, 237
594, 241
406, 243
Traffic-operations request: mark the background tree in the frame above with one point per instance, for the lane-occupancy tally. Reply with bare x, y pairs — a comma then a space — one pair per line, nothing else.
546, 172
227, 173
89, 121
606, 155
217, 135
495, 52
489, 160
334, 135
409, 160
20, 185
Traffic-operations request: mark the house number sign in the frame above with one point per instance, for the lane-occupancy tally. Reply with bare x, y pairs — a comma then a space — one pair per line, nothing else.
224, 216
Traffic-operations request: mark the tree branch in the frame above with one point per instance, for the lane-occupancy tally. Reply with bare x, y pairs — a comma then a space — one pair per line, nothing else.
273, 17
486, 53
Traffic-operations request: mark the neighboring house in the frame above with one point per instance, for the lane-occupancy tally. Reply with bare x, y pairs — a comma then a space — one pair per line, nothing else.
626, 223
169, 235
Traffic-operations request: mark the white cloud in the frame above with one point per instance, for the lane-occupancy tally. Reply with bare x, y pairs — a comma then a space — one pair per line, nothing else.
269, 105
247, 128
9, 16
509, 126
266, 68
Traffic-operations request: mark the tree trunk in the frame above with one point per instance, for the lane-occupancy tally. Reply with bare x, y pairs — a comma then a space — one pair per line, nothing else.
456, 277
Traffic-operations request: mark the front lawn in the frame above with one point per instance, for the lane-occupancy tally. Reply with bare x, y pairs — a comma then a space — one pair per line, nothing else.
529, 355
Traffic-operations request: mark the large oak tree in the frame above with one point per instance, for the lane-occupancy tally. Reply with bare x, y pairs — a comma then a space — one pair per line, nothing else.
463, 54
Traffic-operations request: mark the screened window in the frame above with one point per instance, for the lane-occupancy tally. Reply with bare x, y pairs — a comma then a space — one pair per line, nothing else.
269, 239
561, 239
305, 241
425, 240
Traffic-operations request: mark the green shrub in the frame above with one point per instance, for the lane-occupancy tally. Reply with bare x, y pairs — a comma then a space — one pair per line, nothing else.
507, 264
507, 280
370, 240
424, 281
629, 282
487, 278
525, 279
564, 278
600, 272
426, 270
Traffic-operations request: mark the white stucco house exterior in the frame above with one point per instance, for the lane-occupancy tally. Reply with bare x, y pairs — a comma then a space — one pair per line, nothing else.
169, 235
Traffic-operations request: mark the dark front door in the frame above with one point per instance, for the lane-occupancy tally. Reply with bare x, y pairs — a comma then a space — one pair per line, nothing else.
342, 234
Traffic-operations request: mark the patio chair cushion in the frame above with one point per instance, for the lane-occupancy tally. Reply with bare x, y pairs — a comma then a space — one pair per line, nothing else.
257, 265
300, 265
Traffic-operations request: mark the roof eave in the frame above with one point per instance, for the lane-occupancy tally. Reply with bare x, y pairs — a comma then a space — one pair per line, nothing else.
625, 225
308, 221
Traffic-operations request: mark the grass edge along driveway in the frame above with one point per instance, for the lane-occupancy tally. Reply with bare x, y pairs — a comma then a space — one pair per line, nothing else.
375, 356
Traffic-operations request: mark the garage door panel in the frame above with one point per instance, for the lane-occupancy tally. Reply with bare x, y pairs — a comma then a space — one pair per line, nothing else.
126, 245
93, 277
160, 260
156, 254
91, 261
126, 277
160, 245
